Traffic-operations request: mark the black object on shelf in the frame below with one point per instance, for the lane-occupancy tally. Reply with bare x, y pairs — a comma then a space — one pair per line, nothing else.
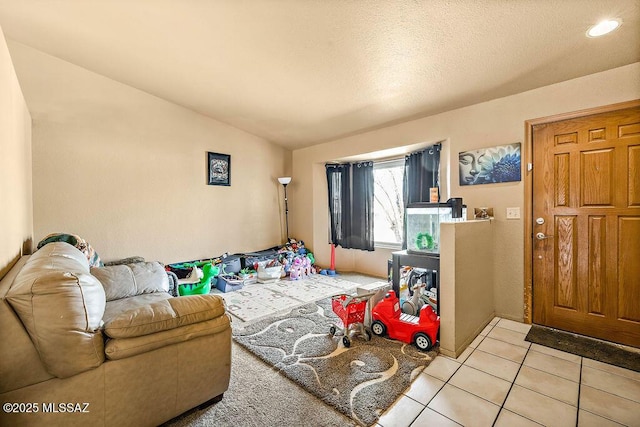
456, 207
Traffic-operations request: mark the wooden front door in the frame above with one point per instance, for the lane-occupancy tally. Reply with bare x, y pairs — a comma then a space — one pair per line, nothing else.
586, 225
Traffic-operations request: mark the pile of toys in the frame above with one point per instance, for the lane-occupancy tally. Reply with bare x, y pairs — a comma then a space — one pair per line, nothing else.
231, 272
296, 260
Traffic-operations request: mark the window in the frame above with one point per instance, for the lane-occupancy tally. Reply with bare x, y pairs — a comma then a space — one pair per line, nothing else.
388, 210
367, 199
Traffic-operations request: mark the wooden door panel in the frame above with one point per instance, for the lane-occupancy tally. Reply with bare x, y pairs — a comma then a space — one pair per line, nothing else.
596, 135
629, 269
634, 176
596, 264
567, 138
562, 180
596, 178
566, 262
586, 188
631, 129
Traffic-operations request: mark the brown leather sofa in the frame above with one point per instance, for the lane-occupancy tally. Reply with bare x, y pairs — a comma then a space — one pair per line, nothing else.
105, 346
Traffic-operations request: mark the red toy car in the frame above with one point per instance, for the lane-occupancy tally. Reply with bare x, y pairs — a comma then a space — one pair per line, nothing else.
389, 319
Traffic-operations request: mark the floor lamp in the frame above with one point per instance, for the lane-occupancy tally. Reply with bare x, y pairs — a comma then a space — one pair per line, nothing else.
285, 180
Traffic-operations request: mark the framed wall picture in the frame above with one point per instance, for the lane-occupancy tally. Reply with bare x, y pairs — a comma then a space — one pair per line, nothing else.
490, 165
219, 169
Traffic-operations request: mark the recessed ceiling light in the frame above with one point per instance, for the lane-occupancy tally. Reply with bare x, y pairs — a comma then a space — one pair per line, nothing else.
602, 28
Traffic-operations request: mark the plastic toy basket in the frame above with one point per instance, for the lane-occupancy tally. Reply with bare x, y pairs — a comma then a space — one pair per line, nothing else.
351, 311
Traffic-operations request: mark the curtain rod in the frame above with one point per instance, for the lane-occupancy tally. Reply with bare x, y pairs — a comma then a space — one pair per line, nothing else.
437, 146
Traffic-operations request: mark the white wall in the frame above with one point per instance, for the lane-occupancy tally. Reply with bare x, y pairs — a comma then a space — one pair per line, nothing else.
127, 170
16, 210
496, 122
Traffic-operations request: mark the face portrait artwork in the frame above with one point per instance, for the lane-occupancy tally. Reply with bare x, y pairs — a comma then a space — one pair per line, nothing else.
469, 168
490, 165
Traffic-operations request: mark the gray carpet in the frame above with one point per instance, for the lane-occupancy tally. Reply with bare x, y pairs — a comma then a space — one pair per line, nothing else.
361, 381
591, 348
258, 397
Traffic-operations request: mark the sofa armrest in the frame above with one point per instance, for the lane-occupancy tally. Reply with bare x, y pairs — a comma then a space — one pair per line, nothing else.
61, 306
165, 315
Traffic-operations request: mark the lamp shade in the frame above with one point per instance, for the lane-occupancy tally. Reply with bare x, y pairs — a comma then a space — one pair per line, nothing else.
284, 180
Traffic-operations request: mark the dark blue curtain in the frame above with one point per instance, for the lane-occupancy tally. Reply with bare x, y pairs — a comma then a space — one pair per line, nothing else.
350, 189
421, 173
339, 186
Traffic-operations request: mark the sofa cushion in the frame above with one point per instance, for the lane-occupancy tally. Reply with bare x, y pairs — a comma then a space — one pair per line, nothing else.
164, 315
117, 306
61, 306
121, 348
122, 281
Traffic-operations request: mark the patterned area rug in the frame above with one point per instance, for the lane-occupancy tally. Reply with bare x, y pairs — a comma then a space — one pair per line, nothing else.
258, 300
361, 381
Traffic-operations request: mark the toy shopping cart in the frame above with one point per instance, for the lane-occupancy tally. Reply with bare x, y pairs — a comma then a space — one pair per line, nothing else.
351, 310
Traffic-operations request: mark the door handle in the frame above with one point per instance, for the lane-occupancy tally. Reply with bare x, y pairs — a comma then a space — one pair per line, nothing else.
542, 236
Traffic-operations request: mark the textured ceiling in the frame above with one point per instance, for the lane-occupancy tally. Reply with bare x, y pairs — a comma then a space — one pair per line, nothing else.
301, 72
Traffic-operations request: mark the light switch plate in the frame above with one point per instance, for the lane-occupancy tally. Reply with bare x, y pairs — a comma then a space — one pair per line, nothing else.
513, 213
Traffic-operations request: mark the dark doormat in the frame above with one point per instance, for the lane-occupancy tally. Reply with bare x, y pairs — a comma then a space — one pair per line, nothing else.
591, 348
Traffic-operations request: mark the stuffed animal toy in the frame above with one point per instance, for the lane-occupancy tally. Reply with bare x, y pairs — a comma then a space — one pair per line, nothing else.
286, 265
306, 267
295, 272
312, 259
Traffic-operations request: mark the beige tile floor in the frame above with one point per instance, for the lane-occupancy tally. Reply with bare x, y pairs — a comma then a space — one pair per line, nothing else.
502, 380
